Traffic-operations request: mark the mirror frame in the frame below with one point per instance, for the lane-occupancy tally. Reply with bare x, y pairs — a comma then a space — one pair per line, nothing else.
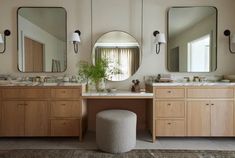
66, 33
216, 38
140, 51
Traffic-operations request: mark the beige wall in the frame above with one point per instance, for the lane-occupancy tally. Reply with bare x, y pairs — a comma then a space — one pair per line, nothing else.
155, 14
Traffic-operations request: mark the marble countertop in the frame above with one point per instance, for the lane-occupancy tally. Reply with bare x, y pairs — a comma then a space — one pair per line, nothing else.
194, 84
119, 93
28, 83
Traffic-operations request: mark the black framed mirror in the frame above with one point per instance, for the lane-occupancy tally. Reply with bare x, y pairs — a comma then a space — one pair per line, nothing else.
121, 50
192, 39
42, 39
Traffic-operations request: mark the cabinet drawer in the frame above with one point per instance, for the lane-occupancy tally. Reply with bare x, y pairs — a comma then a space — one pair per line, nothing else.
170, 127
65, 109
35, 93
169, 92
10, 93
66, 93
170, 108
25, 93
210, 93
65, 127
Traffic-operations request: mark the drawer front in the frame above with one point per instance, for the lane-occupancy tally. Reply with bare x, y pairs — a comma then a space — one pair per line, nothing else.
25, 93
210, 93
10, 93
170, 127
35, 93
66, 93
65, 127
169, 93
65, 109
170, 108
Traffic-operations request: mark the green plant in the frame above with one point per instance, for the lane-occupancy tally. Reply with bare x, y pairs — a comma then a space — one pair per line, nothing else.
96, 73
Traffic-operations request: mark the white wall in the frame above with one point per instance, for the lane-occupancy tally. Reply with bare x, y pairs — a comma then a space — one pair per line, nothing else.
50, 42
155, 18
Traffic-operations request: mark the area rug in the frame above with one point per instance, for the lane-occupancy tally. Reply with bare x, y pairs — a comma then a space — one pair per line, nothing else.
72, 153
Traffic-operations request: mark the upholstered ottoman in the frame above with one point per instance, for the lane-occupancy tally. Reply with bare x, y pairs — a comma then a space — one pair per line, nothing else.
116, 130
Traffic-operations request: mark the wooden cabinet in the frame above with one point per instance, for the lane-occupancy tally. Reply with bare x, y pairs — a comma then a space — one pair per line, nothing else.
24, 118
12, 118
210, 118
66, 112
198, 118
36, 118
169, 112
194, 111
41, 111
222, 118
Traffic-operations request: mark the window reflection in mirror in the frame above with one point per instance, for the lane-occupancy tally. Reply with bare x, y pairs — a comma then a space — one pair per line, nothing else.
121, 50
192, 39
42, 39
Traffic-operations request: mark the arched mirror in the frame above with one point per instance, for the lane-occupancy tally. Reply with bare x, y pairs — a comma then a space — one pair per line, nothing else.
122, 52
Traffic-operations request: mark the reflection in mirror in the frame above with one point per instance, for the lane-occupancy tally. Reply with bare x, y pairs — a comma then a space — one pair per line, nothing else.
42, 39
121, 50
192, 39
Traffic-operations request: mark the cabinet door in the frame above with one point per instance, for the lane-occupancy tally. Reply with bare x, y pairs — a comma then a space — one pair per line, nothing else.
221, 118
13, 118
198, 118
36, 118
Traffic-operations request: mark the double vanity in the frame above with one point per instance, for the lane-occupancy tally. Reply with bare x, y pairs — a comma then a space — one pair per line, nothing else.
166, 110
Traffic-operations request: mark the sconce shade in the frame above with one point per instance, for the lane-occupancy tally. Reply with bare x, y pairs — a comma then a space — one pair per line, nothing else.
1, 39
160, 38
76, 40
75, 37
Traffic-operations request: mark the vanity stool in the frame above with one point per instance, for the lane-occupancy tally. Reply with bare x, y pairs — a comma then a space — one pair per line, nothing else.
116, 130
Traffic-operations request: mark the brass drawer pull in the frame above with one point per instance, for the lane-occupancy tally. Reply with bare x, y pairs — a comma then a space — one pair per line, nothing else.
169, 104
169, 123
169, 91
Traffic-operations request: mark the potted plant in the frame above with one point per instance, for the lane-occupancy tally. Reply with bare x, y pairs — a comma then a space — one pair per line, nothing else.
96, 73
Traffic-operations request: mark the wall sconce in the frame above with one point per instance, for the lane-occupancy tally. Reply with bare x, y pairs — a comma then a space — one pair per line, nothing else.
76, 40
231, 39
3, 40
159, 39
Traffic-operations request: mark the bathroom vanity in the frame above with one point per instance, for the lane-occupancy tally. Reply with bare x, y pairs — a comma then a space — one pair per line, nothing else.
167, 110
39, 111
193, 110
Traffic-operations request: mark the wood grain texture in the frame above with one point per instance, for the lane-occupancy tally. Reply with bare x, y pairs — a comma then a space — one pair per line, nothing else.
169, 93
69, 127
199, 120
170, 127
170, 108
222, 118
210, 93
36, 118
12, 118
65, 109
62, 93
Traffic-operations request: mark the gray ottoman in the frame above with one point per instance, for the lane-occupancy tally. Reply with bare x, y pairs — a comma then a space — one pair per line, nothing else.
116, 130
